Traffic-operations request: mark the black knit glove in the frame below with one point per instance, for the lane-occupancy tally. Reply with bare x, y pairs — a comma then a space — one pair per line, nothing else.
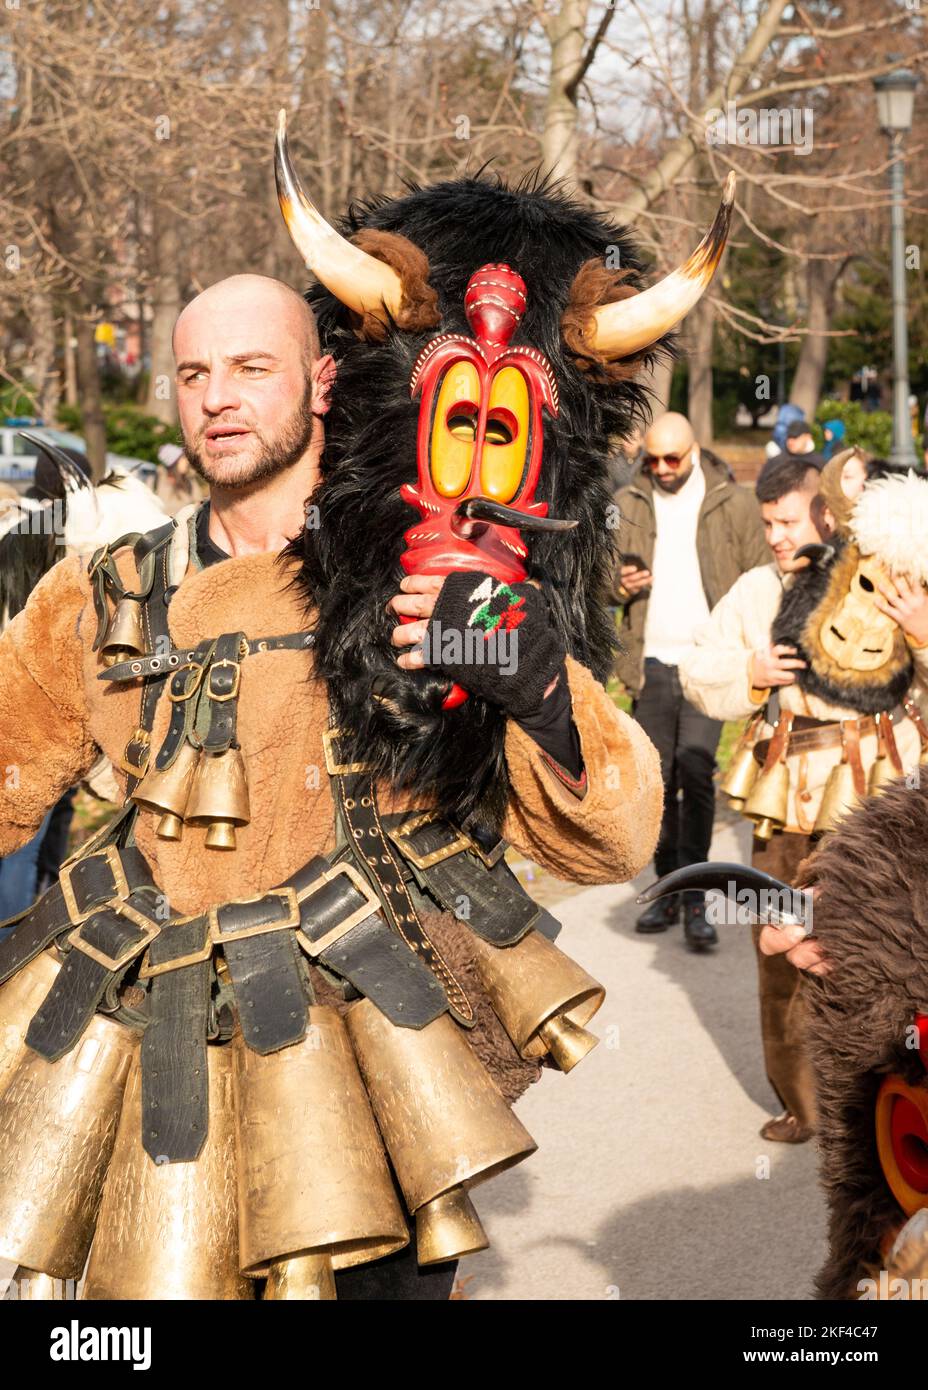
496, 640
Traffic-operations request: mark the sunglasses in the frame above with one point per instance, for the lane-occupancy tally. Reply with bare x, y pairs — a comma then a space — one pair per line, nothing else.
671, 460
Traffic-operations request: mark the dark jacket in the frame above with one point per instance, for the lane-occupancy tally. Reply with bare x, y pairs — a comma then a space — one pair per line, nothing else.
729, 541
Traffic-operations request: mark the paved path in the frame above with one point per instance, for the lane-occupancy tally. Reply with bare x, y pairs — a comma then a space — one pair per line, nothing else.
650, 1179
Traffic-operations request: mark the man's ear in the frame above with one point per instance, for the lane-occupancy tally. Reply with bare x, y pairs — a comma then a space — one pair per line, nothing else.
322, 376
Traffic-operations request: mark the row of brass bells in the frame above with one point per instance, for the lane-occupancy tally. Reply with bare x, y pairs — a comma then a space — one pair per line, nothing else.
542, 998
739, 780
125, 633
768, 802
198, 788
444, 1122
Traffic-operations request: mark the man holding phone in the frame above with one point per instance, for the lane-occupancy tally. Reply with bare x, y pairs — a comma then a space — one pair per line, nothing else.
687, 532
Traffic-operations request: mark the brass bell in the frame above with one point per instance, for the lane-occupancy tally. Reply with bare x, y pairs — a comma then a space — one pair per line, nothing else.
839, 798
541, 997
768, 804
57, 1129
315, 1192
219, 797
170, 1230
445, 1124
738, 782
881, 774
168, 790
125, 635
20, 998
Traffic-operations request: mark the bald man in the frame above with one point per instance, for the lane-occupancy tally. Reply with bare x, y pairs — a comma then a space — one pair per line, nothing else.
687, 532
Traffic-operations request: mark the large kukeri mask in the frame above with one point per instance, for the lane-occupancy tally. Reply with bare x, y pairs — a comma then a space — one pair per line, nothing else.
857, 655
487, 353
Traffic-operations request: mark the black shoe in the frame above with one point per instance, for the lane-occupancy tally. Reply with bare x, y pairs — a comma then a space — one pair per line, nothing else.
697, 932
663, 913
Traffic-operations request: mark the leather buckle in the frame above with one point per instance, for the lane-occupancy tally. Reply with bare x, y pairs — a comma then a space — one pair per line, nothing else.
400, 836
336, 769
120, 887
291, 917
359, 882
151, 930
236, 682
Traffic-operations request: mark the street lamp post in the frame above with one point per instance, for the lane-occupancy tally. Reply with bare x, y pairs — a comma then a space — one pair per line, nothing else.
895, 97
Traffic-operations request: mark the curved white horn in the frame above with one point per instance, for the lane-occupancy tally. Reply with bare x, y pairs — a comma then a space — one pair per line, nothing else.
360, 281
631, 324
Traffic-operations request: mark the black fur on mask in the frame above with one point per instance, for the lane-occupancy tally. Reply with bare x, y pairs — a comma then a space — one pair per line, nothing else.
350, 561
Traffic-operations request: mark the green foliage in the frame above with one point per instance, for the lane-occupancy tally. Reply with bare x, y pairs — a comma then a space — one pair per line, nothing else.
14, 401
129, 430
872, 430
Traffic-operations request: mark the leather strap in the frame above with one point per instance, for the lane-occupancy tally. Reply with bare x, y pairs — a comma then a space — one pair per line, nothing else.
356, 801
184, 692
887, 735
776, 748
915, 714
447, 864
175, 1095
852, 754
102, 949
179, 656
265, 972
90, 881
219, 694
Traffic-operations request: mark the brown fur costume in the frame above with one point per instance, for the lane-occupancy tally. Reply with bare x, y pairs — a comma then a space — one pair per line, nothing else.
871, 914
62, 714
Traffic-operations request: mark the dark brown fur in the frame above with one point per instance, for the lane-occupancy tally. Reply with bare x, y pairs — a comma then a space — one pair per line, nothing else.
871, 915
592, 286
419, 310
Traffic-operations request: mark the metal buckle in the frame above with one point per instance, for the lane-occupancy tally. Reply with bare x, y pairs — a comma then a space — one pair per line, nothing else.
236, 682
101, 559
292, 919
425, 861
339, 769
150, 928
371, 906
188, 690
143, 737
121, 887
147, 971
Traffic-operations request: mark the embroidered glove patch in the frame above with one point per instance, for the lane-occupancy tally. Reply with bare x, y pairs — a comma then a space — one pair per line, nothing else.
496, 640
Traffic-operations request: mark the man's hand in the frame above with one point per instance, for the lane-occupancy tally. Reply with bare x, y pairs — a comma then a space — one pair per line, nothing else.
416, 599
774, 666
800, 950
633, 580
907, 605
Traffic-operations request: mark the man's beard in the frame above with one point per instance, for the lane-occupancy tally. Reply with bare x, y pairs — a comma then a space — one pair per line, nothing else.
674, 482
273, 457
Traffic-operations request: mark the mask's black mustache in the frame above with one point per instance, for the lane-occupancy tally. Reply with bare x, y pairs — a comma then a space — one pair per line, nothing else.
483, 510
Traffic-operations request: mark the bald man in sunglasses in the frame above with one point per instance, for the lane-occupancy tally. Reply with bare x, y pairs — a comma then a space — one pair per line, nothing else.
687, 532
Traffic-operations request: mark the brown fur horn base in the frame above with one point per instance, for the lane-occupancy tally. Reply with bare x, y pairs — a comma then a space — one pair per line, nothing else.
419, 309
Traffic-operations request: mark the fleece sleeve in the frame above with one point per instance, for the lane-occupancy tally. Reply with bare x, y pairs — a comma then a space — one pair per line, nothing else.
714, 671
607, 834
45, 743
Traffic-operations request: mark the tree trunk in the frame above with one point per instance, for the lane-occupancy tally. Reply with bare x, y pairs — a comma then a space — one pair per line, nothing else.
701, 326
45, 375
657, 382
165, 309
88, 379
821, 279
70, 362
560, 141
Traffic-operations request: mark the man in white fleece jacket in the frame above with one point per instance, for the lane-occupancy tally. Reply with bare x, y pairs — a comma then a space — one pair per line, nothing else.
730, 672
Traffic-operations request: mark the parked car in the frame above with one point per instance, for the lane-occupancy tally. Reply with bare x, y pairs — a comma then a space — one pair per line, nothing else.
17, 454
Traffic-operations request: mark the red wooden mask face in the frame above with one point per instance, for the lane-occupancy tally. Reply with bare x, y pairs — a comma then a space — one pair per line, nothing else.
480, 438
